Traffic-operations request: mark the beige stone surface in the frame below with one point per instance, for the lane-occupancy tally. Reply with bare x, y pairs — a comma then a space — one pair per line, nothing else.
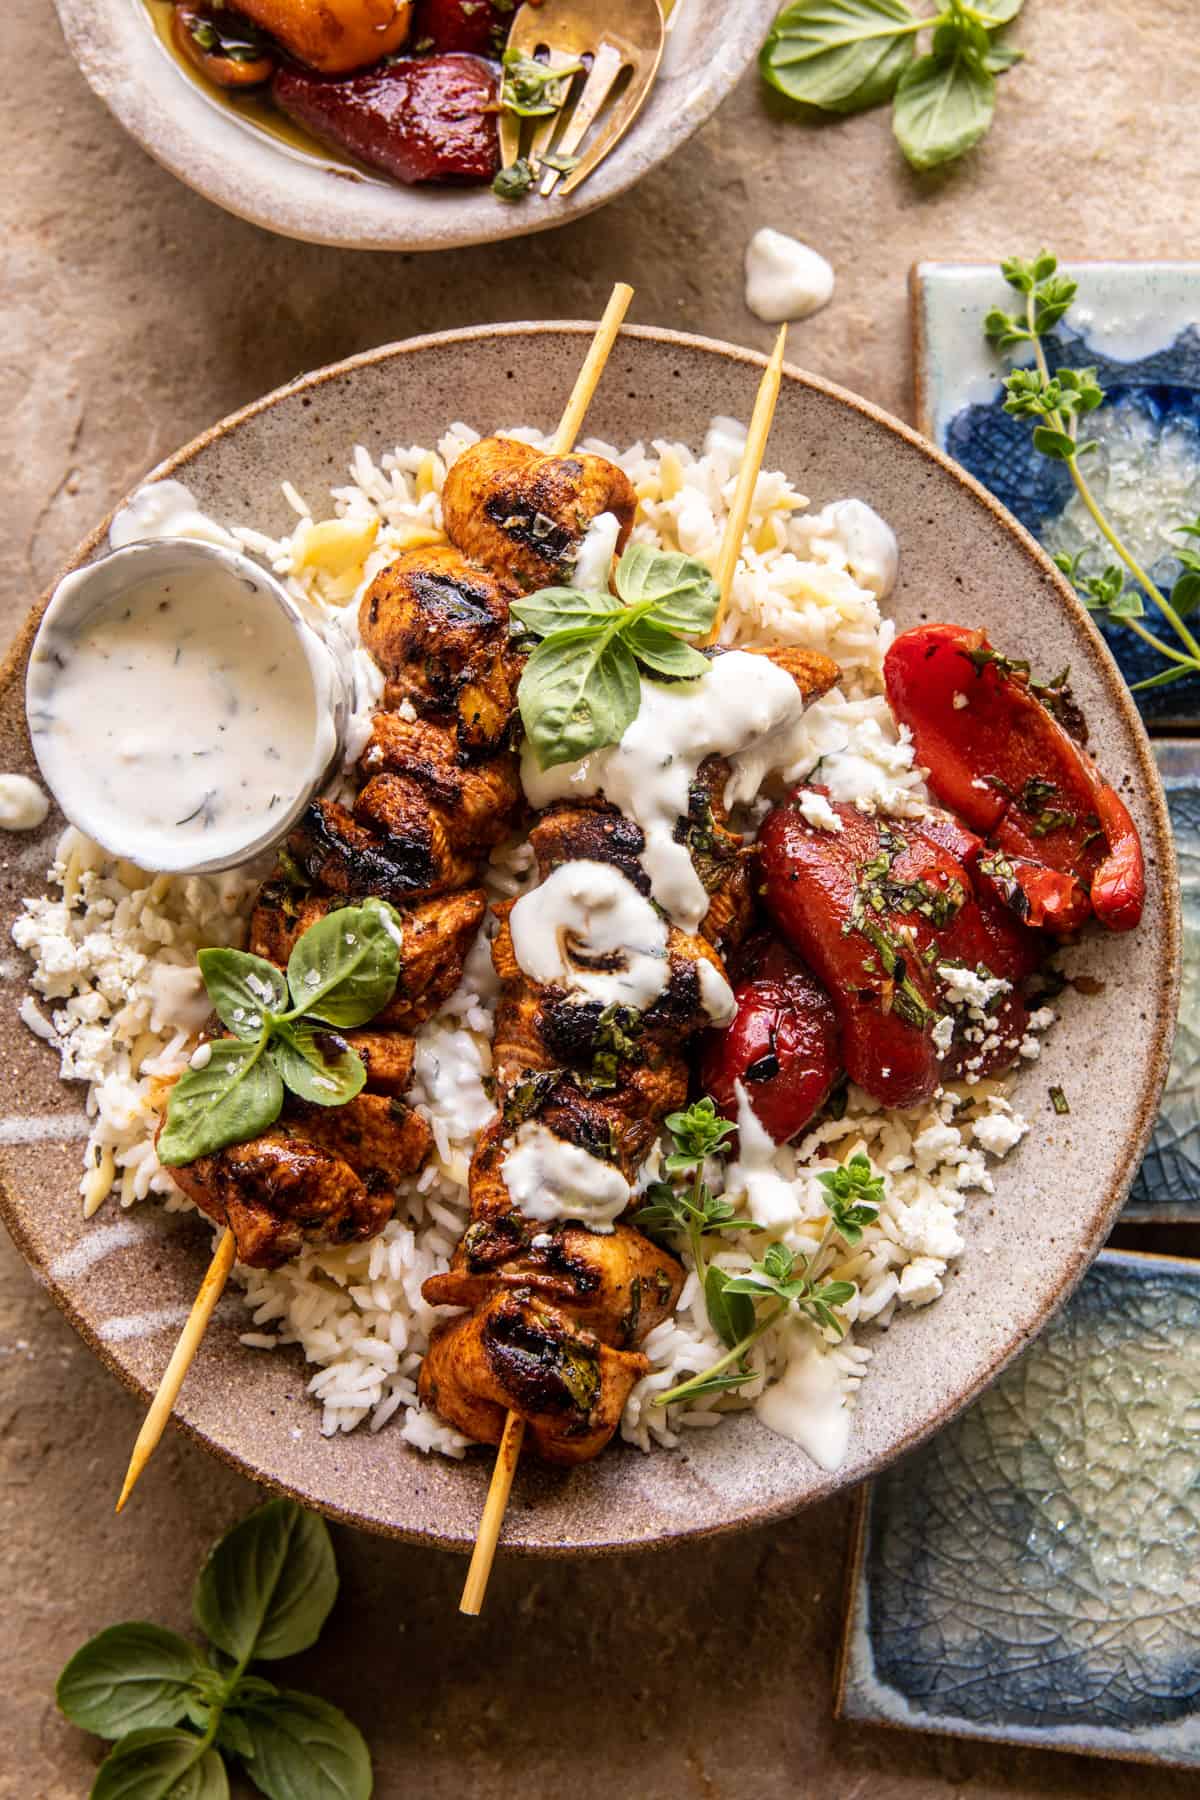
137, 314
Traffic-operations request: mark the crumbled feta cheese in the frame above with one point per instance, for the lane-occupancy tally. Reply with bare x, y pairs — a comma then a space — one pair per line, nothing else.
965, 988
998, 1132
920, 1281
943, 1034
817, 812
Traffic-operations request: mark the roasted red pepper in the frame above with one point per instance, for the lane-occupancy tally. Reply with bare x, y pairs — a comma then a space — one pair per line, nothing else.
876, 910
1004, 764
424, 118
782, 1046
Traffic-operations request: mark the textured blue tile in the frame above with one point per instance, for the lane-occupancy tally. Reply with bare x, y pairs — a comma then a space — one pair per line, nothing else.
1031, 1574
1168, 1183
1139, 323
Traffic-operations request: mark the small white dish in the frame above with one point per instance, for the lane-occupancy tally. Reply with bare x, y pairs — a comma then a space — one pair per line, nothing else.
77, 774
312, 197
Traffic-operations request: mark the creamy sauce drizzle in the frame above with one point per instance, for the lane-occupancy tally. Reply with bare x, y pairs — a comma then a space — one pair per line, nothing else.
179, 719
771, 1199
593, 564
807, 1403
716, 995
867, 542
164, 509
587, 928
745, 709
549, 1179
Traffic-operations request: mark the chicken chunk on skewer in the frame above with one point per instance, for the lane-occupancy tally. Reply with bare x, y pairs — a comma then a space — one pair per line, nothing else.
526, 513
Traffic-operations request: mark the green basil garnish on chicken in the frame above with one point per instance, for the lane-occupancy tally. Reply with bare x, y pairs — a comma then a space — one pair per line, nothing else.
581, 688
341, 972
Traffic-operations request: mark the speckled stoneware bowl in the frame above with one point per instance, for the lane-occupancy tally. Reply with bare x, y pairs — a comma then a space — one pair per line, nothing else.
126, 1280
324, 201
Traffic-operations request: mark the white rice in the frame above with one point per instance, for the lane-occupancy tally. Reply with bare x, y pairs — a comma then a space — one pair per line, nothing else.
114, 954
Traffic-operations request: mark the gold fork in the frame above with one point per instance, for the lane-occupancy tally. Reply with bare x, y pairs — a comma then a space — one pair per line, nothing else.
617, 35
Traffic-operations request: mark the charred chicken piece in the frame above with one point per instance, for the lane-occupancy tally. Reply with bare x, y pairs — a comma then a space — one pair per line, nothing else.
333, 35
425, 118
518, 1352
618, 1285
438, 628
281, 1191
436, 936
523, 512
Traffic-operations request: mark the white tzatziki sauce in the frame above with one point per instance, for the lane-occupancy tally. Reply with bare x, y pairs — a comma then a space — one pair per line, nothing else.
587, 928
744, 708
785, 279
178, 718
716, 995
23, 804
549, 1179
771, 1199
593, 564
165, 509
807, 1404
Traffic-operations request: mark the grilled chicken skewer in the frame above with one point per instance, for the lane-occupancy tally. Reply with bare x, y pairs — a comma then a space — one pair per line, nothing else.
441, 787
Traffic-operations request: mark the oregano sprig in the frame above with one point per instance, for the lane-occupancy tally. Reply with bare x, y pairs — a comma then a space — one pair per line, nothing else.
844, 56
177, 1714
736, 1301
582, 686
341, 972
1056, 406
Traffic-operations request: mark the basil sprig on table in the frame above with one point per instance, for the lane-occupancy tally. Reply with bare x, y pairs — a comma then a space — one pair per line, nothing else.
846, 55
582, 686
342, 971
265, 1592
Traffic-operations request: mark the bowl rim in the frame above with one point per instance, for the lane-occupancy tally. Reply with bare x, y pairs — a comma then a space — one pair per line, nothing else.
1167, 976
193, 138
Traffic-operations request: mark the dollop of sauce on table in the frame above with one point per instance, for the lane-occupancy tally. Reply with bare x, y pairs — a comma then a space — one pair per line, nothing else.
23, 805
785, 279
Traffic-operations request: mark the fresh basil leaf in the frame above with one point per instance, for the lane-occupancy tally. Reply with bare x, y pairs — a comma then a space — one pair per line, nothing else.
840, 55
128, 1678
305, 1749
1185, 595
957, 33
243, 988
268, 1586
757, 1284
944, 104
233, 1098
731, 1315
161, 1765
666, 654
344, 968
684, 593
579, 691
233, 1734
315, 1064
999, 58
1002, 12
563, 609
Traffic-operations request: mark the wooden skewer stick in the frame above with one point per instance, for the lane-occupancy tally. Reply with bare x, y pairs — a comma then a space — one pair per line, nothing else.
593, 367
475, 1586
211, 1289
743, 498
513, 1435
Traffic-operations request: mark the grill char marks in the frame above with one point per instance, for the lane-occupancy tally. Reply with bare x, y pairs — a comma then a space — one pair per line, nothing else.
522, 511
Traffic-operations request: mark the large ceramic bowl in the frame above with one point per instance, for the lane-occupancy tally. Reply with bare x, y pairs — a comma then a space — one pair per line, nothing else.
961, 557
324, 201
